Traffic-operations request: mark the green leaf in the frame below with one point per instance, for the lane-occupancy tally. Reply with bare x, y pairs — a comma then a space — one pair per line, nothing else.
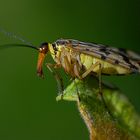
112, 118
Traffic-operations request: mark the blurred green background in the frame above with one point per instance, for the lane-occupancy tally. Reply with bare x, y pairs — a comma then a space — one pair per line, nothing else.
28, 109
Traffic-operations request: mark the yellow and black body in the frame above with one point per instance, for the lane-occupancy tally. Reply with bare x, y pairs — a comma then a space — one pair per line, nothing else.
80, 59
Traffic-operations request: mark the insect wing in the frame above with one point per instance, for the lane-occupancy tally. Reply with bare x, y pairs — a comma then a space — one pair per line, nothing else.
109, 54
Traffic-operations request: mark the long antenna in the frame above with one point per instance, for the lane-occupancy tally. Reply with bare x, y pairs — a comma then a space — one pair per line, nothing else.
17, 45
14, 36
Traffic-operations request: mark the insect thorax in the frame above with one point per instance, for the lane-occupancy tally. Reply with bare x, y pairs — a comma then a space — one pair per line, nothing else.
68, 59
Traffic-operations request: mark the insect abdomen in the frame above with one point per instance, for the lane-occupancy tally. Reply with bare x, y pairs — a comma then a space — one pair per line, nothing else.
107, 68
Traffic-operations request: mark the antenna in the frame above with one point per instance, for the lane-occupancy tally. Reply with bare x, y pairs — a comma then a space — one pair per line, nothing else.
14, 36
17, 45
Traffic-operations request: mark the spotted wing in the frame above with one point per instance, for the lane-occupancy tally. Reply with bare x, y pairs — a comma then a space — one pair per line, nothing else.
112, 55
127, 53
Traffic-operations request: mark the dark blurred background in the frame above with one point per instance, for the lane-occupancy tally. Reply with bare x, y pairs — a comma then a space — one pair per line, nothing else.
28, 109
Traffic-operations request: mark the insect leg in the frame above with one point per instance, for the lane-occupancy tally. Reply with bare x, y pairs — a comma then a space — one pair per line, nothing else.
99, 78
100, 89
100, 84
90, 69
53, 65
76, 70
58, 78
73, 69
99, 74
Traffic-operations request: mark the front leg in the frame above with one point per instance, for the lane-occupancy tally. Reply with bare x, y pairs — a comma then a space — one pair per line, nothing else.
49, 65
57, 76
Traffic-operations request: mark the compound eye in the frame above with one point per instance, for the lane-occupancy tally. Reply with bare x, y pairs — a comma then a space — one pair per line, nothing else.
44, 48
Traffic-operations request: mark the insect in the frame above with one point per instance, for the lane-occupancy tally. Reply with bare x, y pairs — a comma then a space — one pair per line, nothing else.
80, 59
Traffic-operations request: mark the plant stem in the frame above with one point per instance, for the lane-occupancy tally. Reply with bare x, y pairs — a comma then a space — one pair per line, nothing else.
116, 119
